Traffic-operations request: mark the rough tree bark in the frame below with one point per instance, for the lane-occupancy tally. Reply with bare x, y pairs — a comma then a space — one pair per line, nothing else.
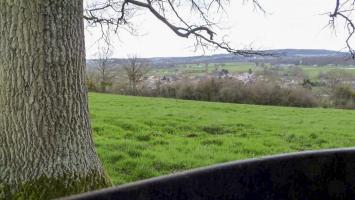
46, 147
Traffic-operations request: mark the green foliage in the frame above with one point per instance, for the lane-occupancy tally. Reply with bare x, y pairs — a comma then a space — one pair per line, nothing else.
138, 137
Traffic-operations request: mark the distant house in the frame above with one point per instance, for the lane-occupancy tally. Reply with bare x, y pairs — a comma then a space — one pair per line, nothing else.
285, 65
245, 77
221, 74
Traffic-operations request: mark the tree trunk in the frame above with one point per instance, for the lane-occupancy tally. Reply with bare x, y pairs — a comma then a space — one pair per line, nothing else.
46, 147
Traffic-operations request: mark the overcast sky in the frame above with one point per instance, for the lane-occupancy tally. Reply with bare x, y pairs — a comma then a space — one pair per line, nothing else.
288, 24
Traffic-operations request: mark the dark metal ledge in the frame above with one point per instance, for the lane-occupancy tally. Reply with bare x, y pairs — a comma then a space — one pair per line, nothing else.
326, 174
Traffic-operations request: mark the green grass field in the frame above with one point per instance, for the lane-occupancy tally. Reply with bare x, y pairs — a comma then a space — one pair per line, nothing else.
138, 137
314, 72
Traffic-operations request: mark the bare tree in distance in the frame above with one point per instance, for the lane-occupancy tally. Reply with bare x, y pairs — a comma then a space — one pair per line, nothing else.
337, 81
106, 69
135, 69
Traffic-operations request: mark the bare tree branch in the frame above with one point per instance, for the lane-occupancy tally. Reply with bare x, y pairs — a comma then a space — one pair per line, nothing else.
344, 10
115, 14
163, 10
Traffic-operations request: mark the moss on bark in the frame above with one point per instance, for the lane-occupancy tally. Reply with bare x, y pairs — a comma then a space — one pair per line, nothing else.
50, 188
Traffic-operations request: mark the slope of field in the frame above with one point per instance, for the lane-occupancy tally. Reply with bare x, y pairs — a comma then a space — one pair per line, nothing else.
138, 137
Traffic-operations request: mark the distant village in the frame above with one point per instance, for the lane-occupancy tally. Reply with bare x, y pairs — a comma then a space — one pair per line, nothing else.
249, 77
151, 81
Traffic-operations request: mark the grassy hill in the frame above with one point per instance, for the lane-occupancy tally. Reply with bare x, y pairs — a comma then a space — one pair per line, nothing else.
138, 137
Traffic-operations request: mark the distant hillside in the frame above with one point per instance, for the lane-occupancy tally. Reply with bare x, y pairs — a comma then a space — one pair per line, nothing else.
308, 52
279, 56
